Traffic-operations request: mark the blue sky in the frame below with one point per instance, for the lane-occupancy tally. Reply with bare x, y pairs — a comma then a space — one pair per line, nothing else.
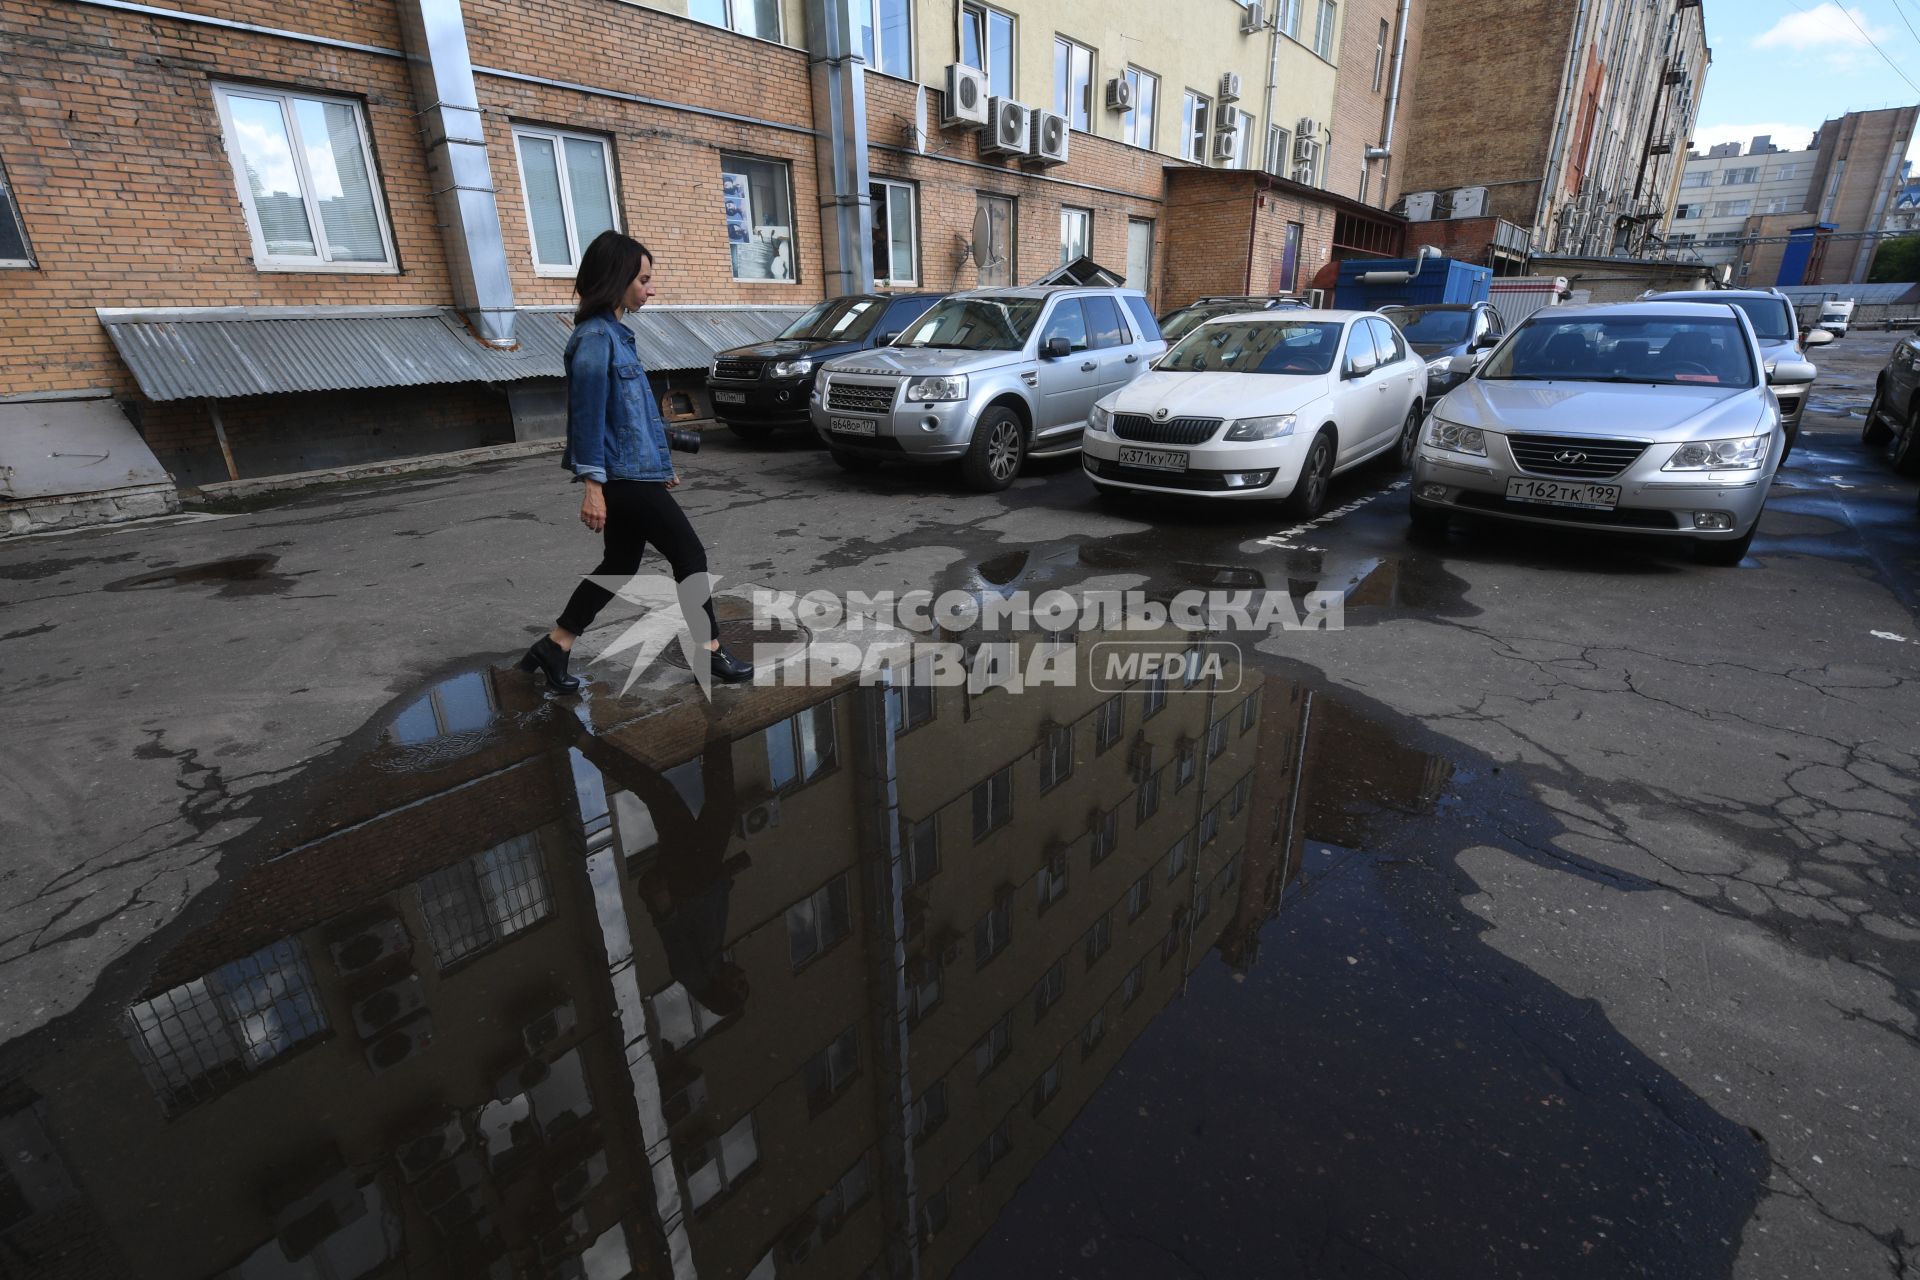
1783, 66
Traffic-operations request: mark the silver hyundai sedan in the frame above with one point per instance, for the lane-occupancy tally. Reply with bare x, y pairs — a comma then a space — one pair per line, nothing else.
1653, 418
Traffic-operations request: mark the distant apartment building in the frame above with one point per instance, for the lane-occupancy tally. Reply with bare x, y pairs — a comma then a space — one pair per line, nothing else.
1723, 190
1551, 128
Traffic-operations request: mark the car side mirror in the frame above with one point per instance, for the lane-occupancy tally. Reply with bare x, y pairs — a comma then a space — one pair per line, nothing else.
1486, 342
1790, 373
1057, 348
1360, 367
1463, 366
885, 340
1819, 337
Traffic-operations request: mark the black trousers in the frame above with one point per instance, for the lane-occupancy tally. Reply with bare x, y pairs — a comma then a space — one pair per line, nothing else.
638, 512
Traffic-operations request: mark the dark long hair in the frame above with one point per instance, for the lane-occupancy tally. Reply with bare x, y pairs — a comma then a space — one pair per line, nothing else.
606, 269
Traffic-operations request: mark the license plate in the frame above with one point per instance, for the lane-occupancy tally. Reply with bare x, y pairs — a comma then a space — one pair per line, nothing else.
729, 397
1154, 459
1558, 493
854, 426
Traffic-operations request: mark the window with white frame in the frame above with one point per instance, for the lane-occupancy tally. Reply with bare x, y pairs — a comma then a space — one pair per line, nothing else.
1697, 178
993, 931
1139, 253
1250, 711
567, 182
1073, 82
1195, 112
922, 849
14, 251
757, 203
819, 920
1243, 133
896, 237
1099, 938
1287, 14
1323, 34
994, 1149
1108, 720
1131, 984
1047, 992
828, 1072
1741, 177
1051, 882
1278, 140
886, 35
1177, 856
1136, 123
993, 1047
1046, 1086
716, 1166
1056, 757
1076, 234
1105, 835
749, 17
1732, 208
801, 747
1784, 171
992, 803
305, 174
986, 44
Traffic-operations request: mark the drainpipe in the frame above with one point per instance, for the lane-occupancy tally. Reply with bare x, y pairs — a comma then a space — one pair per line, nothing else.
435, 35
1273, 84
1569, 95
839, 75
1384, 152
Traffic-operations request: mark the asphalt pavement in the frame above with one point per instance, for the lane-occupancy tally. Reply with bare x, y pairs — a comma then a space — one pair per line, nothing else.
1627, 984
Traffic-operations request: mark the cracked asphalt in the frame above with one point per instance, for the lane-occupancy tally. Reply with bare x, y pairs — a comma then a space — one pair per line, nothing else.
1634, 989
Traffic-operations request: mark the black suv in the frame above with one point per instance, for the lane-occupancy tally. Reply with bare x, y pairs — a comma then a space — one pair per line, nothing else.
1439, 332
759, 388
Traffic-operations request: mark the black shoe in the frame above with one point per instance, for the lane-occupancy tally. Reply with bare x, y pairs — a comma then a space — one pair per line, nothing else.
730, 669
551, 659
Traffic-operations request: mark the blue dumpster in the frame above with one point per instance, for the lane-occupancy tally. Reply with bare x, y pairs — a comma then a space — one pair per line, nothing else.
1439, 280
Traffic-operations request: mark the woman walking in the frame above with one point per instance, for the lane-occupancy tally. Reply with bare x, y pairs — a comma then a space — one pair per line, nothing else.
617, 448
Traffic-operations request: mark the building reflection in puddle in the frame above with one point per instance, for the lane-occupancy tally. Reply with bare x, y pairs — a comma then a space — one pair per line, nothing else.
801, 989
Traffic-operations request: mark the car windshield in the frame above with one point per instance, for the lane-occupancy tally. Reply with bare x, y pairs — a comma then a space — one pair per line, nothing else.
975, 324
837, 318
1257, 346
1185, 321
1437, 328
1626, 348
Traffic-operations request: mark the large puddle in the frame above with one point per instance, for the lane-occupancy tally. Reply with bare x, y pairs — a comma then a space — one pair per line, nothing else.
859, 983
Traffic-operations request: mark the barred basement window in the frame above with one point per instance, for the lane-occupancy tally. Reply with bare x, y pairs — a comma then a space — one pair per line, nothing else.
484, 900
14, 250
194, 1039
306, 180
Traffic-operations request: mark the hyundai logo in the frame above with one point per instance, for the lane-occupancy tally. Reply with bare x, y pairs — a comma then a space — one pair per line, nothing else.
1568, 457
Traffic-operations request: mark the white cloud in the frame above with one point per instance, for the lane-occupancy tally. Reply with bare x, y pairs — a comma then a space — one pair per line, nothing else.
1787, 137
1823, 25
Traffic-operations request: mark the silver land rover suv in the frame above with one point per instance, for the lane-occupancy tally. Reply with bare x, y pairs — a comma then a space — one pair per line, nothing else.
987, 378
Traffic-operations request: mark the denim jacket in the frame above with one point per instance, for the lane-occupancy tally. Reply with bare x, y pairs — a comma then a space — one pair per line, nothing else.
614, 427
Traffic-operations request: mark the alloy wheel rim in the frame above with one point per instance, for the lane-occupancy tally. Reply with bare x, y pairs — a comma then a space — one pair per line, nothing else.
1002, 450
1317, 484
1408, 433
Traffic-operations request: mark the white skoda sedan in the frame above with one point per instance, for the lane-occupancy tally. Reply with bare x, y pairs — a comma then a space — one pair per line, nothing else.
1262, 406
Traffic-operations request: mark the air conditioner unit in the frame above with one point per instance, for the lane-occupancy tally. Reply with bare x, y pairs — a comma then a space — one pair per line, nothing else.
1226, 145
1230, 87
1306, 150
389, 1004
1469, 202
370, 943
1050, 133
1308, 126
965, 106
1253, 20
548, 1027
401, 1044
423, 1151
1120, 94
1009, 128
1420, 205
1303, 174
756, 818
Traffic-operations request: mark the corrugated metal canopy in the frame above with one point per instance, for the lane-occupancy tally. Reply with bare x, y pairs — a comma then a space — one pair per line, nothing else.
181, 353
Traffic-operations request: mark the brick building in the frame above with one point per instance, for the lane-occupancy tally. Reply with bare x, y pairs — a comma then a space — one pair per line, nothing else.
1380, 47
1567, 122
238, 222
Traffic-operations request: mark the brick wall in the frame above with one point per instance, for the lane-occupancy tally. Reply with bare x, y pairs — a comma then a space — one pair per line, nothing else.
1483, 110
1360, 110
1211, 212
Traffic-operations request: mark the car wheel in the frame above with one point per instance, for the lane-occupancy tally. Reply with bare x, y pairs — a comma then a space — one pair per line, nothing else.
1426, 522
1786, 449
1309, 496
1875, 432
1400, 457
856, 462
1906, 447
998, 448
751, 432
1726, 554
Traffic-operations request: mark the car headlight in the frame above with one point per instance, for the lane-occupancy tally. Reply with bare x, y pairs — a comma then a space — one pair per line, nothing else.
792, 368
1745, 454
1099, 420
1440, 368
949, 388
1269, 428
1451, 436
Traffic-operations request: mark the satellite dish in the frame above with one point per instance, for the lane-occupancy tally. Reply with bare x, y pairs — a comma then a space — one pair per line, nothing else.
986, 253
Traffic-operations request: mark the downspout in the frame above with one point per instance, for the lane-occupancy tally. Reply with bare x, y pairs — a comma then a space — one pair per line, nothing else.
1273, 85
434, 33
1569, 94
839, 72
1384, 152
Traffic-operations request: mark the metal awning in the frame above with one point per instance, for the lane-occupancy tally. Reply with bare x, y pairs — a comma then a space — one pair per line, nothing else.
184, 353
1082, 271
